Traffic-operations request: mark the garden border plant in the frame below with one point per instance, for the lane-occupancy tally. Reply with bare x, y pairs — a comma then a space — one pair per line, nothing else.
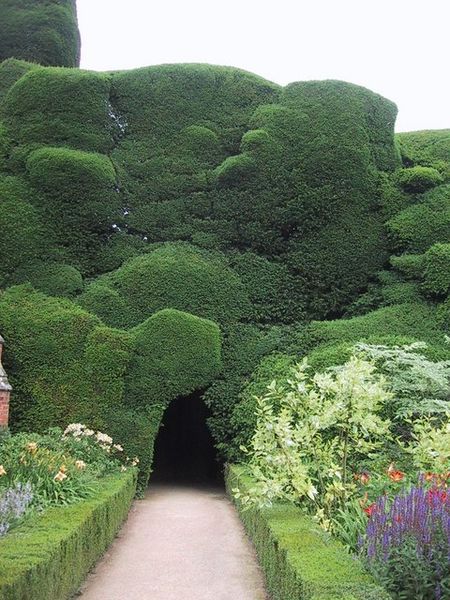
49, 556
300, 561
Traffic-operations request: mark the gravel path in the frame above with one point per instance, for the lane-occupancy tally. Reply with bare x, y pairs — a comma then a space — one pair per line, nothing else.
179, 543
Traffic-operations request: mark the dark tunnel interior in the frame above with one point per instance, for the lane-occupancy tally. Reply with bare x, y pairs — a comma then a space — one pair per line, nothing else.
184, 448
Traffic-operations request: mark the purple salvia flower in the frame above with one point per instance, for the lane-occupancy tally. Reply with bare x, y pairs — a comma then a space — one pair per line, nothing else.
13, 505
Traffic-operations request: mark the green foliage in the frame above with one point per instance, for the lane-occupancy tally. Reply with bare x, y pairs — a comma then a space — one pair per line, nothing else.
178, 276
292, 195
84, 361
419, 385
52, 279
11, 70
47, 466
243, 419
298, 559
108, 304
421, 225
202, 189
428, 148
269, 286
44, 32
201, 143
22, 234
62, 172
437, 270
415, 321
60, 107
410, 265
417, 180
430, 449
244, 345
76, 198
50, 555
309, 433
235, 170
174, 354
443, 315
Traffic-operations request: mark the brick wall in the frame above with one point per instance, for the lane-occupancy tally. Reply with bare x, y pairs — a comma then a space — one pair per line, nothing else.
5, 392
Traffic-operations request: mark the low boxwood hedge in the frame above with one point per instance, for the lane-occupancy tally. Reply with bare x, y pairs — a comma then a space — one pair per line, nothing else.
299, 560
50, 555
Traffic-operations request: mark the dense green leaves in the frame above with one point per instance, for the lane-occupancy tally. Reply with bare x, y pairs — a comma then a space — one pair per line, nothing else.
43, 31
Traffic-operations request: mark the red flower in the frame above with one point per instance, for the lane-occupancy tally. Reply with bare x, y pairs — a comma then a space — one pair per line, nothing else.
436, 493
369, 509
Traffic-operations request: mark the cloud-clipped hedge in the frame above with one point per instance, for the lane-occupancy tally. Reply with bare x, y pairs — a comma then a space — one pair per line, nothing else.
177, 276
41, 31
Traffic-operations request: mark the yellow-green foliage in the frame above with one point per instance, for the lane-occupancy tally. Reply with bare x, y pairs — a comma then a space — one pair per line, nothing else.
50, 555
41, 31
416, 321
11, 70
53, 361
60, 107
417, 180
409, 265
298, 559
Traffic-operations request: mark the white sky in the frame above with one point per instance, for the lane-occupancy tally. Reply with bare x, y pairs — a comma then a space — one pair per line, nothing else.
398, 48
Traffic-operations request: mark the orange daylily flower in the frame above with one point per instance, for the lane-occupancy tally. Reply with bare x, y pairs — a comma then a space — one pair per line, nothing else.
363, 477
394, 474
60, 476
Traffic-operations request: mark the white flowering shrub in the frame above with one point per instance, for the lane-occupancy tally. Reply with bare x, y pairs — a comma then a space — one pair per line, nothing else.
325, 421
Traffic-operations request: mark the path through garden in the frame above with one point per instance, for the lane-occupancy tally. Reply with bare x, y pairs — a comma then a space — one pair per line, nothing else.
179, 543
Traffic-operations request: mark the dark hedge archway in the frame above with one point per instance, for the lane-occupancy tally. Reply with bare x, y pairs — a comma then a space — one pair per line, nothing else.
184, 448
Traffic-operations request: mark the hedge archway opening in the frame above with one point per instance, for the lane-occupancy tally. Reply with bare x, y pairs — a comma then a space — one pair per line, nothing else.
184, 448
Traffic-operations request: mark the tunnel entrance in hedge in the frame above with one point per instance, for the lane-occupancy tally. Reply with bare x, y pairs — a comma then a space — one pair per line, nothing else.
184, 448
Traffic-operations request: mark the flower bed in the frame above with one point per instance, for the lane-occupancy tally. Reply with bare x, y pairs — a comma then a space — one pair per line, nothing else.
364, 449
301, 561
63, 496
49, 555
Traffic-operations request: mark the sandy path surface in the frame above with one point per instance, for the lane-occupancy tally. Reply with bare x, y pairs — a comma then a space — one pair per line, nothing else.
179, 543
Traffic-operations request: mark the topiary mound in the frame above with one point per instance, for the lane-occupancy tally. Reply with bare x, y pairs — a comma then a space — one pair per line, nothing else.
176, 276
43, 31
174, 200
66, 366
